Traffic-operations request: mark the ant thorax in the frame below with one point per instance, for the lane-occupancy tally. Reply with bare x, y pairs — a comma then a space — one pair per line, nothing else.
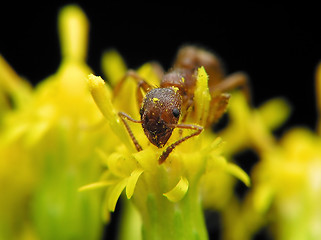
160, 113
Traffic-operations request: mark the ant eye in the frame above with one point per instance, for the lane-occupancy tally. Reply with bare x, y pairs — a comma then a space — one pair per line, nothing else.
176, 112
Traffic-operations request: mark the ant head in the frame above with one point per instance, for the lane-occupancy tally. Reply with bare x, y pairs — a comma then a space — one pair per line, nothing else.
160, 113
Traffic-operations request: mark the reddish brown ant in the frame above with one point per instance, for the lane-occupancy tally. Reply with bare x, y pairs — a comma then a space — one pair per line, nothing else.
162, 107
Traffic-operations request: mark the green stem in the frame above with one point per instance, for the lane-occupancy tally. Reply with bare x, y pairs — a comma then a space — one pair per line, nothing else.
131, 223
163, 219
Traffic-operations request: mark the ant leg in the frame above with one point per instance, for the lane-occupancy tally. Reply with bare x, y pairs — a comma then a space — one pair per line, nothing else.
220, 98
169, 149
188, 105
141, 84
123, 116
235, 80
218, 107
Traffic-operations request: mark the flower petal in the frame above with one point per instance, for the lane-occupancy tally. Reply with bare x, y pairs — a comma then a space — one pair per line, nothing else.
114, 193
96, 185
132, 180
237, 172
202, 97
12, 84
148, 72
113, 66
37, 131
215, 146
262, 197
179, 191
147, 158
275, 112
102, 97
73, 28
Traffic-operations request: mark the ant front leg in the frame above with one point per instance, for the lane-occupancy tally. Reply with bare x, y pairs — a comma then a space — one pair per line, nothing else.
123, 116
218, 107
141, 84
231, 82
220, 98
169, 149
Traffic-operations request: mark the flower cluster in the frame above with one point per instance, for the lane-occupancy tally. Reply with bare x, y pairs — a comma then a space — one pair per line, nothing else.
172, 188
46, 146
64, 137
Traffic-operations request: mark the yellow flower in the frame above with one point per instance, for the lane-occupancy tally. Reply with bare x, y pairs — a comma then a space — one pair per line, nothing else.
285, 193
47, 141
17, 172
248, 128
164, 193
12, 88
251, 128
288, 178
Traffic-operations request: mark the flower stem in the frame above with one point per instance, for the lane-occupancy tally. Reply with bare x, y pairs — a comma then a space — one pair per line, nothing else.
130, 227
163, 219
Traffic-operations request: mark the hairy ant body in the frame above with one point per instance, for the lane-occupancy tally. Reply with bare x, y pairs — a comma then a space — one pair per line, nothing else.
162, 107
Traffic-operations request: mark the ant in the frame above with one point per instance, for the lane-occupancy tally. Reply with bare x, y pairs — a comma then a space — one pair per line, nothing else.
162, 107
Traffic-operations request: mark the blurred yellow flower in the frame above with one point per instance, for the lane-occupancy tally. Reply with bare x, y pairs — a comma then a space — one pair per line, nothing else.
288, 180
247, 128
46, 145
286, 188
251, 128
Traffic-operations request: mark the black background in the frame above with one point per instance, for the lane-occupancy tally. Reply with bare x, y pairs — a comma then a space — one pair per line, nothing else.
277, 45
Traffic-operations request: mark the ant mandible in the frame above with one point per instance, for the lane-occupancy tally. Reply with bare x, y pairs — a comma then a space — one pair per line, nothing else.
162, 107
